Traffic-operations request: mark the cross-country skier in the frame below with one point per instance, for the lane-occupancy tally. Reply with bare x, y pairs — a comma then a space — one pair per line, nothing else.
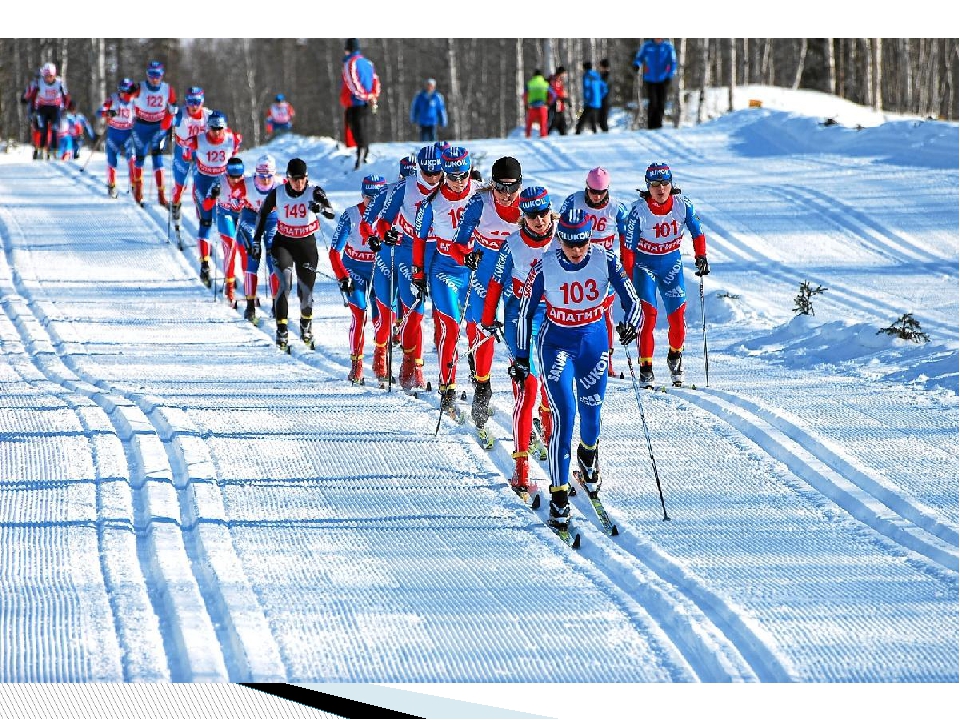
398, 215
82, 129
118, 109
209, 152
571, 348
608, 220
48, 97
516, 256
352, 261
190, 121
264, 180
294, 246
445, 264
489, 218
280, 116
154, 106
651, 257
228, 193
385, 317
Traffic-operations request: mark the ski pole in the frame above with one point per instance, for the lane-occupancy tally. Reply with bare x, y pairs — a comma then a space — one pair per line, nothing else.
391, 301
703, 316
646, 431
92, 149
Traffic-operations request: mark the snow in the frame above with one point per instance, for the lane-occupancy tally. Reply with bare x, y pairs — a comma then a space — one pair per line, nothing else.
179, 501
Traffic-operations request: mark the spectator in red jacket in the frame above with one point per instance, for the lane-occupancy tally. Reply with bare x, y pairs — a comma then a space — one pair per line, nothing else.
558, 108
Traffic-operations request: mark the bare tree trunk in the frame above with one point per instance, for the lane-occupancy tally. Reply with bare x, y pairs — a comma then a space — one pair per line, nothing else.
800, 63
766, 63
831, 67
548, 62
251, 91
877, 97
502, 118
520, 114
704, 79
64, 59
745, 62
678, 91
906, 76
733, 72
454, 104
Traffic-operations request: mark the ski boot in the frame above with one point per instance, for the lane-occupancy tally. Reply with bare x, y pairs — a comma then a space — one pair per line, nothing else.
283, 337
588, 460
112, 191
175, 214
250, 314
162, 197
228, 291
380, 362
138, 187
559, 506
610, 371
306, 332
356, 370
448, 399
546, 424
418, 383
675, 364
407, 367
519, 483
205, 273
645, 374
481, 403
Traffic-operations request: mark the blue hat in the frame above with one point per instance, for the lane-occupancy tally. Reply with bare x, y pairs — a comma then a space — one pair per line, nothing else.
372, 184
125, 86
456, 160
429, 159
195, 95
235, 167
279, 98
408, 165
155, 69
217, 120
658, 172
573, 227
534, 199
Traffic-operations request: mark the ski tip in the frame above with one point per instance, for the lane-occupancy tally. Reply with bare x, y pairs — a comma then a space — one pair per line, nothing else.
429, 387
463, 395
576, 542
614, 530
535, 504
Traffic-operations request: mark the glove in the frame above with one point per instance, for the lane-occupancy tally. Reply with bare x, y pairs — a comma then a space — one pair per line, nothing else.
495, 329
391, 237
328, 213
111, 112
703, 267
173, 109
215, 191
374, 243
627, 333
418, 283
314, 206
520, 370
253, 251
346, 285
320, 196
472, 259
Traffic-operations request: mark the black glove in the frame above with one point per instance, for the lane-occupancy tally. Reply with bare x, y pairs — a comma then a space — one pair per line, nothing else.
215, 191
374, 243
419, 284
520, 370
627, 333
472, 259
254, 251
111, 112
495, 329
391, 237
314, 206
320, 196
346, 285
703, 267
328, 213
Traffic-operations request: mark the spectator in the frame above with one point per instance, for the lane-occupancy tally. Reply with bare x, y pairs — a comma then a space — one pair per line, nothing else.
558, 108
428, 111
658, 59
359, 90
537, 98
594, 89
605, 103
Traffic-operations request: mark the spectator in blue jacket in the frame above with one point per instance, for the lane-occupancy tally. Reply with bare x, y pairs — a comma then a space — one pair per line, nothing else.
658, 59
428, 111
594, 90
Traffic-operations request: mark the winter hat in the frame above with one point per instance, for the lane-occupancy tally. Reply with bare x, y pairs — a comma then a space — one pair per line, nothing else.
456, 160
574, 227
429, 159
296, 168
506, 168
266, 165
598, 179
235, 167
351, 45
534, 199
372, 184
658, 172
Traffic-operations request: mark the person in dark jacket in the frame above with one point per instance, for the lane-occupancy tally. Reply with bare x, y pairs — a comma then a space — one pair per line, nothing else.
602, 119
558, 108
428, 111
359, 90
658, 58
594, 89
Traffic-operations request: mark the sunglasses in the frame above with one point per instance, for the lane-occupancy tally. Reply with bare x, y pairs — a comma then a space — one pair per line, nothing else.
507, 188
458, 177
154, 75
193, 102
658, 183
596, 192
538, 214
431, 173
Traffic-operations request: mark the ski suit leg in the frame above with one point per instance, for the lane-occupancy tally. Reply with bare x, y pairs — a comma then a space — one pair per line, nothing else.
357, 300
385, 267
590, 371
555, 352
645, 282
284, 270
307, 257
674, 295
483, 357
411, 338
448, 288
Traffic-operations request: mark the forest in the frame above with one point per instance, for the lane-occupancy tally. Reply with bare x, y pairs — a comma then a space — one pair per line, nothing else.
481, 79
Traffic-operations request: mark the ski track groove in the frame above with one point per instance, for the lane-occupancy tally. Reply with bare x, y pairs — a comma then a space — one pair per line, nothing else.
864, 497
185, 595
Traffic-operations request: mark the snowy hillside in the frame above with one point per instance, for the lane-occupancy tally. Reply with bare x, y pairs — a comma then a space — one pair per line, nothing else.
179, 501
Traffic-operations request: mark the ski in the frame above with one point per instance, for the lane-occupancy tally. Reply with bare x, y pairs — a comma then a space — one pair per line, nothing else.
537, 448
571, 539
485, 438
609, 527
532, 502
